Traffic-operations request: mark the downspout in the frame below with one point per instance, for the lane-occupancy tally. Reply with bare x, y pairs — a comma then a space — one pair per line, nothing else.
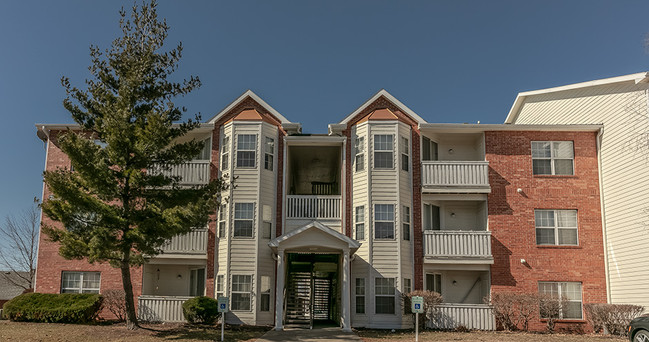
40, 221
603, 210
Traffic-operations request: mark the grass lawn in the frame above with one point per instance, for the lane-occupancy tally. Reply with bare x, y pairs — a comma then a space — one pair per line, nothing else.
19, 331
486, 336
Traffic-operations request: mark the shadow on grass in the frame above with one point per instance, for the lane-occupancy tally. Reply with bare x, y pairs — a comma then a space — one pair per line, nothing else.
210, 332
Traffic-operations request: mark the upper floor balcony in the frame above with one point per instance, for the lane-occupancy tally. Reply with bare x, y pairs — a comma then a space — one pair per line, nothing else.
457, 246
193, 243
195, 172
454, 163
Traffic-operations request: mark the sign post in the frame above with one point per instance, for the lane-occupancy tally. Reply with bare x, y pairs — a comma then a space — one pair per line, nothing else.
417, 303
223, 309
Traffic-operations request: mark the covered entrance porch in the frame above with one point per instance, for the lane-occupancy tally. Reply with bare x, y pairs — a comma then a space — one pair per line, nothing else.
313, 276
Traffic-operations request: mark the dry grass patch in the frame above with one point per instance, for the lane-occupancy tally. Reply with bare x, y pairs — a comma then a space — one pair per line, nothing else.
484, 336
19, 331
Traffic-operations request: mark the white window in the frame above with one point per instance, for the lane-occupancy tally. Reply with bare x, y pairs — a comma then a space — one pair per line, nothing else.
359, 147
197, 282
359, 290
269, 149
220, 286
244, 214
384, 221
384, 295
206, 151
264, 294
360, 223
225, 153
553, 158
407, 285
383, 150
267, 216
571, 307
241, 288
222, 213
405, 154
80, 282
405, 223
246, 147
434, 282
556, 227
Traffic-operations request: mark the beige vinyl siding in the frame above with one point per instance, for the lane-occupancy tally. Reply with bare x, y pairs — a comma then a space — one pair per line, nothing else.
622, 108
406, 254
359, 193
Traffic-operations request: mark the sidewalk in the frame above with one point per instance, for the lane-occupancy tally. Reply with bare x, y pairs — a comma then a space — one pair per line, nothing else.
328, 334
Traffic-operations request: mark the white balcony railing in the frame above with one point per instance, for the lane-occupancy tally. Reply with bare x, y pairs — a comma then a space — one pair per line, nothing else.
313, 207
161, 308
472, 316
194, 242
193, 172
457, 244
466, 174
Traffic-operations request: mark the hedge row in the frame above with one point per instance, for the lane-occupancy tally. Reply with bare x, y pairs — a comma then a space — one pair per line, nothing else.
53, 308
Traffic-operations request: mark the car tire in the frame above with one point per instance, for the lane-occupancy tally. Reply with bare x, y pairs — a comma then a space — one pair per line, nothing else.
641, 336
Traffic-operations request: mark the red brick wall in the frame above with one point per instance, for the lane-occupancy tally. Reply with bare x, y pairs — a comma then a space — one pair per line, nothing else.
511, 217
51, 264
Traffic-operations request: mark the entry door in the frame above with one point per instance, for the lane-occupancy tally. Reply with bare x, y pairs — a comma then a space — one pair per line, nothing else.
197, 282
434, 282
429, 149
431, 217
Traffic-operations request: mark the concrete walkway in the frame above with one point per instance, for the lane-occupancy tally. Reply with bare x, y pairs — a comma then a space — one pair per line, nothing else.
325, 334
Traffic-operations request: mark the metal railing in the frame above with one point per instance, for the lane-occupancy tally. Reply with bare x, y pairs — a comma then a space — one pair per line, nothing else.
472, 316
193, 172
457, 243
161, 308
194, 242
455, 173
313, 207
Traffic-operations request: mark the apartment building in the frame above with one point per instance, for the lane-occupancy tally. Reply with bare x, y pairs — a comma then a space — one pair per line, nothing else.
619, 104
336, 227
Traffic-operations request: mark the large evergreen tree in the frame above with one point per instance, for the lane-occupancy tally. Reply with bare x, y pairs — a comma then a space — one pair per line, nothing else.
112, 209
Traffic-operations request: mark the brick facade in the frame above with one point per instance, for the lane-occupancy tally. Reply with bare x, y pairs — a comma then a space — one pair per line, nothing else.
511, 217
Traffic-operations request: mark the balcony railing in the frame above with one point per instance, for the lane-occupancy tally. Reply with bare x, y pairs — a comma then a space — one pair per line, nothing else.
313, 207
457, 174
457, 244
193, 172
161, 308
194, 242
472, 316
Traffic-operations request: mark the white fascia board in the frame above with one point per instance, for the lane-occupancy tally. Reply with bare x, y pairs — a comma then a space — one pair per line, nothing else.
249, 93
640, 77
392, 99
477, 128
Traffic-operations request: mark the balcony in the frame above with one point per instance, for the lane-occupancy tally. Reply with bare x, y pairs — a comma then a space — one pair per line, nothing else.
313, 207
455, 176
194, 242
454, 246
195, 172
161, 308
472, 316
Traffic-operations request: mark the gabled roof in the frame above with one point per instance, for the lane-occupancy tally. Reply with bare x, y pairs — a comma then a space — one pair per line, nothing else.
351, 243
641, 77
392, 99
252, 95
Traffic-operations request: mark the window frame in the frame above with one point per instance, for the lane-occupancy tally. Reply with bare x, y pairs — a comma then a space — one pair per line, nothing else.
553, 158
253, 150
236, 231
404, 148
377, 220
560, 294
241, 293
407, 285
220, 286
264, 294
225, 153
359, 222
221, 225
81, 288
405, 222
378, 295
269, 157
556, 228
195, 280
437, 282
359, 154
362, 295
378, 151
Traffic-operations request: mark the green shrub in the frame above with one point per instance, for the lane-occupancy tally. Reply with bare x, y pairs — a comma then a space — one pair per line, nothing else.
201, 310
54, 308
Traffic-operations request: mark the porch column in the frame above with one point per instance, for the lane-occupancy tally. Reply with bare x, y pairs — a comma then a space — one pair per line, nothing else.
346, 303
279, 291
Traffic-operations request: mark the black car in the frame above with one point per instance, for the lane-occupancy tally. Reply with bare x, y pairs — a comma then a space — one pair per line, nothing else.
639, 329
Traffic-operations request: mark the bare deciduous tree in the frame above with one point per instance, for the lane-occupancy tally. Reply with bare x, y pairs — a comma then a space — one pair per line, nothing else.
18, 250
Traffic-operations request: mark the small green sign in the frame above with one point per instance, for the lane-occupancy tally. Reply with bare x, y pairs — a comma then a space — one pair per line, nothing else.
223, 304
417, 304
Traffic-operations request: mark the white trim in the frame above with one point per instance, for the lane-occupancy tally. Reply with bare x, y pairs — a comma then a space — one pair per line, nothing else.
479, 128
351, 243
248, 93
391, 98
640, 77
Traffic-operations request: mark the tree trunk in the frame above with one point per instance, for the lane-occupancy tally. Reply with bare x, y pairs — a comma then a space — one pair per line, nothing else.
131, 317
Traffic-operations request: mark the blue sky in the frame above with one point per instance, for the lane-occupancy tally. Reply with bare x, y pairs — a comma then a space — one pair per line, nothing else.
316, 61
